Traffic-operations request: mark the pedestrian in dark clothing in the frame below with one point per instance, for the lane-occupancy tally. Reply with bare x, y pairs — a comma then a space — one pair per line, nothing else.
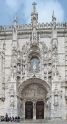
18, 119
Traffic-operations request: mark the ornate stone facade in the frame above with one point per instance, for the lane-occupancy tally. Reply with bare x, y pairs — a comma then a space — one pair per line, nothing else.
33, 69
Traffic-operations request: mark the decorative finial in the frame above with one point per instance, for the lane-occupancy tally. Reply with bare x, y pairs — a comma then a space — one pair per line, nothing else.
15, 19
34, 7
53, 17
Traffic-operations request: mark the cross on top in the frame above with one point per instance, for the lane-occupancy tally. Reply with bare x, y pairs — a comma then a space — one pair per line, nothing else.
34, 6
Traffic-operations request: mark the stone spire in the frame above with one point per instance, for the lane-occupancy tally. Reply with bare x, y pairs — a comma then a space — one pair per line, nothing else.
54, 21
34, 20
15, 18
34, 7
55, 73
15, 42
34, 14
53, 17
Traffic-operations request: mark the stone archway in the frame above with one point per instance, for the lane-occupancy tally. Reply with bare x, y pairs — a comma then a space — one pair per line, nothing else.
35, 80
33, 91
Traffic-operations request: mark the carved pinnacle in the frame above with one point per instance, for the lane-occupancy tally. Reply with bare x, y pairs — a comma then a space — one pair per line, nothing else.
34, 7
15, 19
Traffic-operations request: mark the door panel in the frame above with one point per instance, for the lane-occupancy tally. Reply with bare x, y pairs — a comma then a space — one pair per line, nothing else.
28, 110
40, 110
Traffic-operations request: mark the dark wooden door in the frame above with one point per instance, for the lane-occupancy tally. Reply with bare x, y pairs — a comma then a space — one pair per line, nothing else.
29, 110
40, 110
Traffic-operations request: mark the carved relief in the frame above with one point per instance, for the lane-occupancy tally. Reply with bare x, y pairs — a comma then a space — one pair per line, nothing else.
11, 91
34, 91
12, 102
12, 94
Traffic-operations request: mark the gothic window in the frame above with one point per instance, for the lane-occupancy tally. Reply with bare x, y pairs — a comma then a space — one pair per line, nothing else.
34, 65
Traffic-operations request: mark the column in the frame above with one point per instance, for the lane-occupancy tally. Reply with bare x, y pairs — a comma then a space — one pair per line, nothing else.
45, 110
34, 110
52, 106
23, 115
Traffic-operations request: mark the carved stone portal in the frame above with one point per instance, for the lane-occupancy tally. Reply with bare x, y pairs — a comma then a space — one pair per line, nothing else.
31, 94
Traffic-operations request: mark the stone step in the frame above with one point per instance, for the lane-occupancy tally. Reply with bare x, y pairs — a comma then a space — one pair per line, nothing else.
38, 122
55, 121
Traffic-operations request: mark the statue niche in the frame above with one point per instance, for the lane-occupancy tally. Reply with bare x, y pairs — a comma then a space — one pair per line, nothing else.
34, 65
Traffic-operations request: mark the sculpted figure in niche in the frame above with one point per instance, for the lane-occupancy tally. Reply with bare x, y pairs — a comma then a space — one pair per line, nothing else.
34, 66
12, 101
14, 69
56, 100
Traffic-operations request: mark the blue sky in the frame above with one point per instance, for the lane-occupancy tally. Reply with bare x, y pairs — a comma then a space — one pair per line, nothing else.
23, 8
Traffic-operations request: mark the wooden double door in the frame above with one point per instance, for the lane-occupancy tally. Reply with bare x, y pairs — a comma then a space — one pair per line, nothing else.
39, 110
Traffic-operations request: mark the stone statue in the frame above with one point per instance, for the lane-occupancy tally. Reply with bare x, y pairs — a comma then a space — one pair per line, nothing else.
34, 66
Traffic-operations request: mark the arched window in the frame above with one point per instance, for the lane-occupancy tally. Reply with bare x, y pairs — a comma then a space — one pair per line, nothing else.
34, 65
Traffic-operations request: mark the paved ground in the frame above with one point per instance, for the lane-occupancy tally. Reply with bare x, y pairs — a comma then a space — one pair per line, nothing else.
22, 123
57, 122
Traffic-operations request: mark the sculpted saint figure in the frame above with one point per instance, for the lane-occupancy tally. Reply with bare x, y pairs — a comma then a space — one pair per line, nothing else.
34, 66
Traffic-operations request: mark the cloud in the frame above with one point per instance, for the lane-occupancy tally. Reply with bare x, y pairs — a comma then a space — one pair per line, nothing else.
24, 9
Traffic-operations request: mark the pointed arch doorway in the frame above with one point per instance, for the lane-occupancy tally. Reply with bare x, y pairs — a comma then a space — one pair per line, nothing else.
33, 93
